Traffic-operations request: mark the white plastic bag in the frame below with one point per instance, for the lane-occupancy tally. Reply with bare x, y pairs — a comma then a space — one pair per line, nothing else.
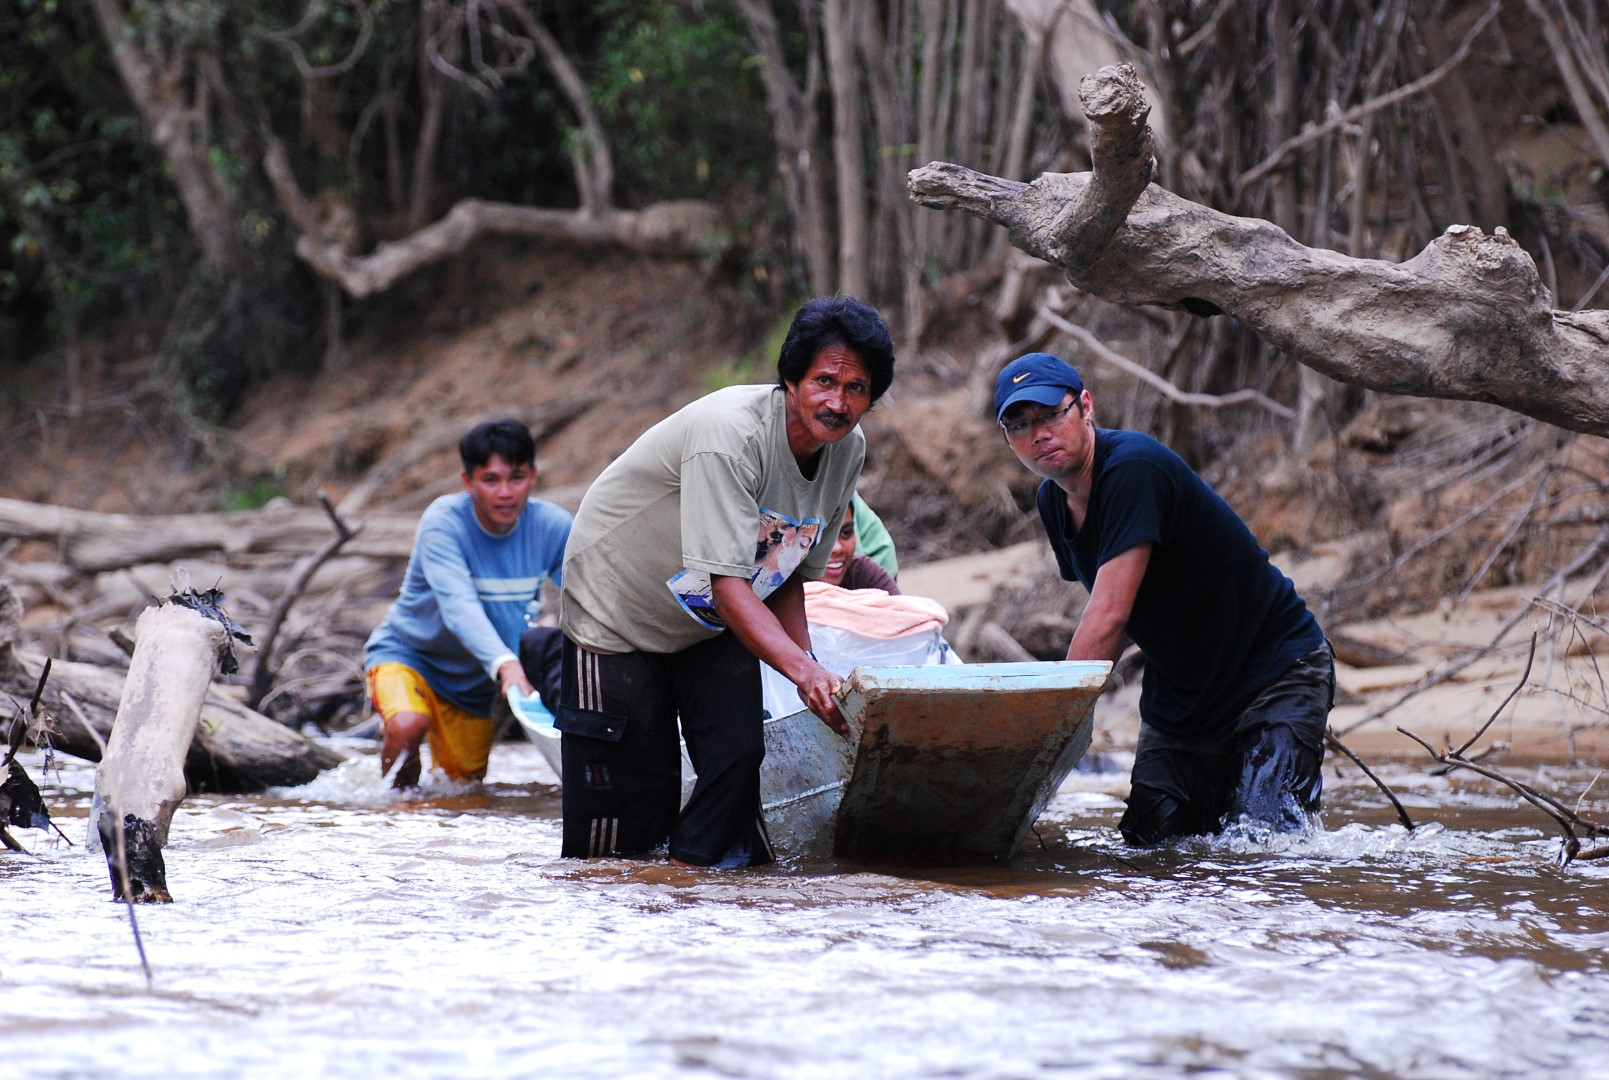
842, 651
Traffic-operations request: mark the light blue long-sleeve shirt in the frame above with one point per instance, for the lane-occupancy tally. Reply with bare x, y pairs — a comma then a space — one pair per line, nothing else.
468, 595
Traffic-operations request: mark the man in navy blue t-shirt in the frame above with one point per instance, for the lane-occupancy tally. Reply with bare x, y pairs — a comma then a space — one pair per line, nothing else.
1238, 677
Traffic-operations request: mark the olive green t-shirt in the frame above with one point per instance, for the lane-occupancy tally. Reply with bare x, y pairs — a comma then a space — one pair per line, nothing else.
710, 490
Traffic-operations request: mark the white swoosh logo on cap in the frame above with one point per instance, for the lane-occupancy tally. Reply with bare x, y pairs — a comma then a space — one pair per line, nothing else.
1021, 377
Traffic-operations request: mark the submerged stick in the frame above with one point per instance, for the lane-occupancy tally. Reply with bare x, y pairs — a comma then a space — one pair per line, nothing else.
1568, 820
1402, 814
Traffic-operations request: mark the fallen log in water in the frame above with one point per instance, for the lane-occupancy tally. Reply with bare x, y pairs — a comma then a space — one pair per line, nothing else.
232, 749
141, 778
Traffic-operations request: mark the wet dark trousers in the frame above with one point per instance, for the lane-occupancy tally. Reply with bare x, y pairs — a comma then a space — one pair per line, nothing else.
1267, 767
622, 763
542, 658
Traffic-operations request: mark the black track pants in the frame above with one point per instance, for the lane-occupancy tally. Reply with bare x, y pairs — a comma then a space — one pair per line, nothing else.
622, 762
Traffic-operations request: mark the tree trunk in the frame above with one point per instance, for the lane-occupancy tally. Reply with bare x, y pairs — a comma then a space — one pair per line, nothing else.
590, 156
177, 128
1468, 318
422, 183
929, 231
793, 123
1283, 108
891, 240
848, 153
140, 781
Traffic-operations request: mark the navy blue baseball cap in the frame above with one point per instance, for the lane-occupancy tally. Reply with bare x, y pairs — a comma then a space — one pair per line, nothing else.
1037, 377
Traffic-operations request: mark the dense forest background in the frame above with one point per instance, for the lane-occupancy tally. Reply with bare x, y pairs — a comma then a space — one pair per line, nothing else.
234, 181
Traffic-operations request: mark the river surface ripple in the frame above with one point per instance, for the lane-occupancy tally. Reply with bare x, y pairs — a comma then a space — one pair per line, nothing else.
336, 930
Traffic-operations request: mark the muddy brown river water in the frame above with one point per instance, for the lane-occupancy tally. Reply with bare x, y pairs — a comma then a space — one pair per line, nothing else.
334, 930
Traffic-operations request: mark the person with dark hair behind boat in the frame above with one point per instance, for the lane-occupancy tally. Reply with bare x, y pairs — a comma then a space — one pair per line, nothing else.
872, 539
848, 569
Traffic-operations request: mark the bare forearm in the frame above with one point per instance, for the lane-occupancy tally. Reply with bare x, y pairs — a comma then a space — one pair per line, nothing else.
787, 604
778, 634
1097, 639
762, 629
1101, 633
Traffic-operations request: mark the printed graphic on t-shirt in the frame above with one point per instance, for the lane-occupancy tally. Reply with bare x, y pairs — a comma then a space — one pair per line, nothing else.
781, 546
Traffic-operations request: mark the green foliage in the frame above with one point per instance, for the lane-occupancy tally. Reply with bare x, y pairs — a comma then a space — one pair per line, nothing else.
679, 93
92, 231
738, 372
253, 492
755, 367
83, 227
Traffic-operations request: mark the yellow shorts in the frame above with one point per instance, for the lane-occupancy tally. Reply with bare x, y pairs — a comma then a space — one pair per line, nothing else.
460, 742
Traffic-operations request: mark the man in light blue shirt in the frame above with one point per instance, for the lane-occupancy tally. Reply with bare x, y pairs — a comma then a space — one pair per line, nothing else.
448, 646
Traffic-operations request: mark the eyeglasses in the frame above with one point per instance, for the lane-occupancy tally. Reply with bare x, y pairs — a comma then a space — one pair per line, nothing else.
1019, 428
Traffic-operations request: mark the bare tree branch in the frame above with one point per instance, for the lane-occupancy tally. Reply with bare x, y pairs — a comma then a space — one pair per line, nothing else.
1580, 93
1525, 677
1351, 116
1568, 821
1468, 318
1157, 382
287, 40
263, 675
1332, 741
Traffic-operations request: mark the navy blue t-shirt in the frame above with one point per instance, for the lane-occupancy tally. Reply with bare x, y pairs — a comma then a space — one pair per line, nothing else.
1217, 622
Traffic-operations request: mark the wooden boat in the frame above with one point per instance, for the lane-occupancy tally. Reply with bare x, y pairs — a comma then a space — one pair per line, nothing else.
942, 760
951, 760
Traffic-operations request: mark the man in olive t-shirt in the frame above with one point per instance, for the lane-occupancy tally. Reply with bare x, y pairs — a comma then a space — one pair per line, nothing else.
686, 563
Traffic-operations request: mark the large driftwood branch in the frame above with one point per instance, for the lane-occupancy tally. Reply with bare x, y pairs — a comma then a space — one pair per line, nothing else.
92, 542
1120, 151
681, 227
233, 749
1466, 319
685, 227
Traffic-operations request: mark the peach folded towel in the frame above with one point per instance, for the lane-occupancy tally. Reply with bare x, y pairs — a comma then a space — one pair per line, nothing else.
871, 613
